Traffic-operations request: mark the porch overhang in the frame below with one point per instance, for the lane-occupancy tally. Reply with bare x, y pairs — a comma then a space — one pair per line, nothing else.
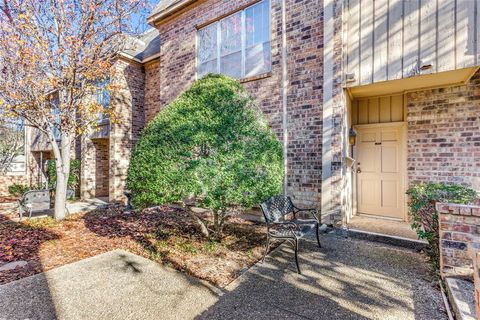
433, 80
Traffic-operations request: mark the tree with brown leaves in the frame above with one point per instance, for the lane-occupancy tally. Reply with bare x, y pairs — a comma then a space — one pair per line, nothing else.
53, 55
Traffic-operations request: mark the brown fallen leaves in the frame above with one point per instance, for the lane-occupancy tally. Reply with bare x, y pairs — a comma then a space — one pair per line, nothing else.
166, 235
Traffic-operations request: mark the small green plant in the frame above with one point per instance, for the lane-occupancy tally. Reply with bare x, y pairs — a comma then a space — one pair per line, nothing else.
211, 246
73, 178
41, 223
187, 247
250, 254
17, 190
423, 197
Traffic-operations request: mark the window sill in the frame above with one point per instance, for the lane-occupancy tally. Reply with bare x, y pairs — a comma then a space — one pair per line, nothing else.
257, 77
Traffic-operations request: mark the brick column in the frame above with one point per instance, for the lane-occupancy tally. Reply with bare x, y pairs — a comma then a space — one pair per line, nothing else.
334, 197
128, 103
459, 230
87, 169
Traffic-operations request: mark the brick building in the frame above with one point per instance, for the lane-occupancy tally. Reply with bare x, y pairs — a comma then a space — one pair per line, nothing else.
367, 97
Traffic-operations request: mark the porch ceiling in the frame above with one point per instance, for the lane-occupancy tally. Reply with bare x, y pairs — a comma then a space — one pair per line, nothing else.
441, 79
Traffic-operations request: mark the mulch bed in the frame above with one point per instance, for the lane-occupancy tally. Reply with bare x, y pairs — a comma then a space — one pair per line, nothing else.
8, 200
165, 234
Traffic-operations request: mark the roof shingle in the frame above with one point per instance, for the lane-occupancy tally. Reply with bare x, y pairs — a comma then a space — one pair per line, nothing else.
145, 46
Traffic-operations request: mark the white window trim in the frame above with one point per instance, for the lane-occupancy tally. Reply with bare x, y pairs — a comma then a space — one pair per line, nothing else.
243, 41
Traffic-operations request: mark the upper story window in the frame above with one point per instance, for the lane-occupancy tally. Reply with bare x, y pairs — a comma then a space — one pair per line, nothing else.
102, 97
238, 45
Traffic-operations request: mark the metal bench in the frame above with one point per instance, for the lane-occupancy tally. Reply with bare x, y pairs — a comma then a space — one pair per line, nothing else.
39, 200
34, 201
276, 212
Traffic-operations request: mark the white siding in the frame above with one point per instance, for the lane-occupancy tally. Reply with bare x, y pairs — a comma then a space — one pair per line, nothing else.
380, 41
366, 41
387, 39
353, 34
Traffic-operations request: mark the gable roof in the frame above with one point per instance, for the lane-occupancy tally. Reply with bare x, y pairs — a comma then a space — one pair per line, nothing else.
167, 7
145, 47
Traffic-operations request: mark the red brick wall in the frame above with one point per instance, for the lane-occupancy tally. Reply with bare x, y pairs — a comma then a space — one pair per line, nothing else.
459, 230
304, 27
444, 134
129, 106
95, 168
101, 167
152, 90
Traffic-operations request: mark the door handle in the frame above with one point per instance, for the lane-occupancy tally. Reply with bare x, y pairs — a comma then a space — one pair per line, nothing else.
359, 170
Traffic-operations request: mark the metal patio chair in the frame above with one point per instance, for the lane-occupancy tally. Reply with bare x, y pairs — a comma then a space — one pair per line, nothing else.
276, 211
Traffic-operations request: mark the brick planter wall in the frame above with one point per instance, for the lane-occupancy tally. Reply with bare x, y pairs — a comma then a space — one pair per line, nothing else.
459, 230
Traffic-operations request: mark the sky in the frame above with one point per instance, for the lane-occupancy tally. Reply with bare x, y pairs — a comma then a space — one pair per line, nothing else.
141, 17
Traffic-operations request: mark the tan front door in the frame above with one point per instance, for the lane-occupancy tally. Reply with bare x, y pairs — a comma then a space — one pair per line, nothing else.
380, 170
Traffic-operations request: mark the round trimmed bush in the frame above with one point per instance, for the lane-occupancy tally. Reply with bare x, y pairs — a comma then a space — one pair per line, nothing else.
211, 143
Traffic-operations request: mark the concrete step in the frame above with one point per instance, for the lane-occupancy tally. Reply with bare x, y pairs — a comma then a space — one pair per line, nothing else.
387, 239
461, 294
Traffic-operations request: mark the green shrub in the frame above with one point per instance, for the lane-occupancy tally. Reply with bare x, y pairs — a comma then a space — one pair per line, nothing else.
17, 190
211, 144
73, 179
423, 197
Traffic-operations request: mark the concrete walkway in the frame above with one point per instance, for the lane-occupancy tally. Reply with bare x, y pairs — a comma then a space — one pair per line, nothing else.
114, 285
346, 279
73, 207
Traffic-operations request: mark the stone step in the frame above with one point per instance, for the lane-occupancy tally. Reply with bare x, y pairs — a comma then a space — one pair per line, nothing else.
462, 298
386, 239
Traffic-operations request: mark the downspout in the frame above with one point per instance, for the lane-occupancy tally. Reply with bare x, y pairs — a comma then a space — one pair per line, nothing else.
284, 97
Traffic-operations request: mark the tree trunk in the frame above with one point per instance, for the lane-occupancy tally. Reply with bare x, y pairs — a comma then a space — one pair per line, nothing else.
200, 223
218, 224
62, 159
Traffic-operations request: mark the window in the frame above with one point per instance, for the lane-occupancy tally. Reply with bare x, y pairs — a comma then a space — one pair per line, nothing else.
102, 97
238, 45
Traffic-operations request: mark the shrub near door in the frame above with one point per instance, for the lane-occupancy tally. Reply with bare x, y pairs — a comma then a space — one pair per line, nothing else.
211, 144
423, 197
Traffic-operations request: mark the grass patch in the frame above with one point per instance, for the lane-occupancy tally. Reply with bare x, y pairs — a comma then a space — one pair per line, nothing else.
41, 223
211, 246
